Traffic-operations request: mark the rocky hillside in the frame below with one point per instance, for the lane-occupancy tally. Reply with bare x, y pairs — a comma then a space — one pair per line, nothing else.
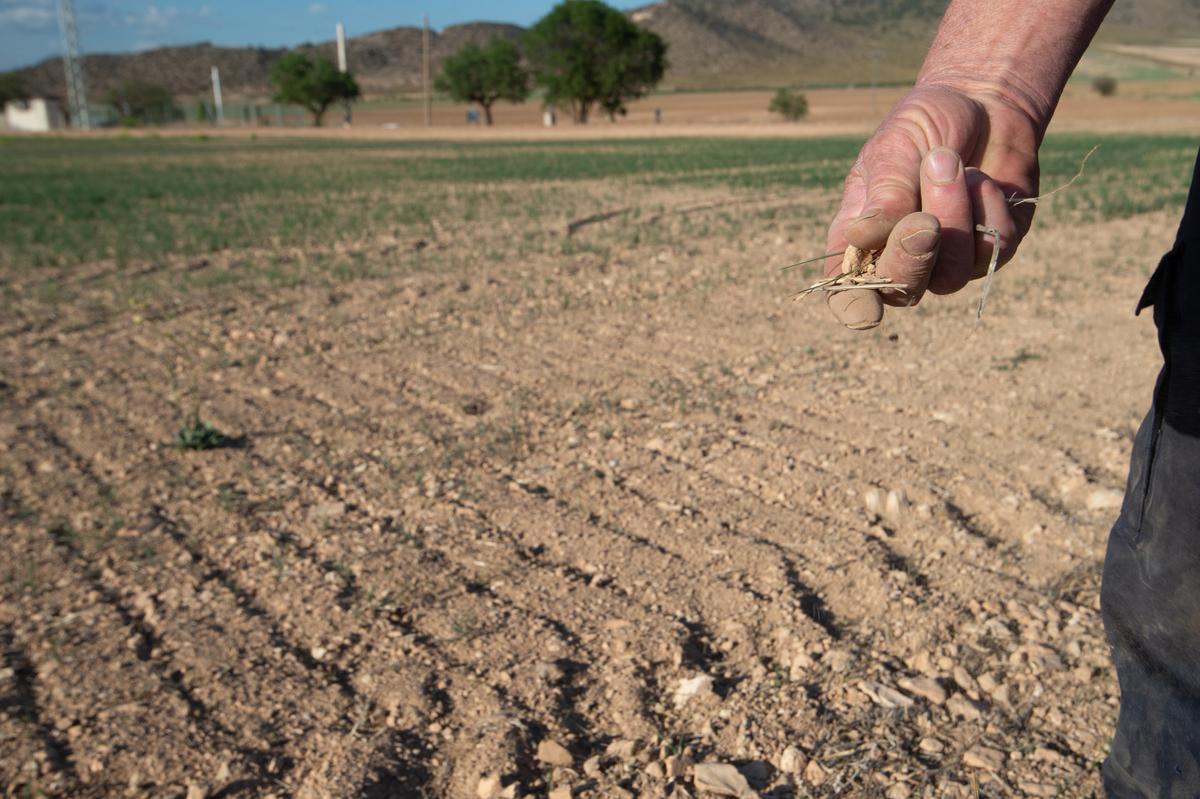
711, 43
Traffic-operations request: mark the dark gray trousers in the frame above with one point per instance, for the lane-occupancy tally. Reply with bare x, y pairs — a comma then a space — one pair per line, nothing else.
1150, 597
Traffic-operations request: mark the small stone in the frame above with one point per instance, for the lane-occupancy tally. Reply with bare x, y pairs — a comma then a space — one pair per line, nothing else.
691, 687
984, 758
931, 746
327, 510
928, 689
489, 787
1105, 499
814, 774
721, 779
553, 753
623, 749
511, 791
792, 761
561, 792
962, 707
591, 767
677, 765
655, 771
894, 505
885, 696
838, 660
1037, 788
898, 791
873, 499
196, 791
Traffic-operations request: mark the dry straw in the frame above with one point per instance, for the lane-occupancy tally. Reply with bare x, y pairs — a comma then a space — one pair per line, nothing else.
858, 266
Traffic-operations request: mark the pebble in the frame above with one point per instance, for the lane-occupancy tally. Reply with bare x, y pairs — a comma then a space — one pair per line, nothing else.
689, 688
960, 706
757, 772
561, 792
792, 761
984, 758
677, 765
898, 791
721, 779
931, 746
655, 771
488, 788
885, 696
553, 753
928, 689
814, 774
1105, 499
623, 749
591, 767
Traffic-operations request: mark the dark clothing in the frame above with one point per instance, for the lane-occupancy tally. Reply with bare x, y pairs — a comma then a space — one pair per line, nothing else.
1150, 597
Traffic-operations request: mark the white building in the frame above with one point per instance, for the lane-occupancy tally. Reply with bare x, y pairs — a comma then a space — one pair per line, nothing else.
36, 115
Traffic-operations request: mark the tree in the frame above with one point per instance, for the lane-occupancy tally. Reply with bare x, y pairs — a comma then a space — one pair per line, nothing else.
586, 53
12, 87
138, 101
484, 75
792, 105
315, 85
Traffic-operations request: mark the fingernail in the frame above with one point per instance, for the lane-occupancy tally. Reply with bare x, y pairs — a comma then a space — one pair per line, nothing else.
942, 165
920, 244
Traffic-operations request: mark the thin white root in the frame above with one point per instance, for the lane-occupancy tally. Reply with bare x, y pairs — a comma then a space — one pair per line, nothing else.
1014, 201
991, 271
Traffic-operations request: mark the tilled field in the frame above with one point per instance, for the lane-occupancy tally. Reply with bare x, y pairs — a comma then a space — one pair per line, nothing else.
577, 524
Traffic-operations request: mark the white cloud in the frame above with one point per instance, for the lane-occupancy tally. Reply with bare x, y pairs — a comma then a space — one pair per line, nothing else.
30, 15
316, 8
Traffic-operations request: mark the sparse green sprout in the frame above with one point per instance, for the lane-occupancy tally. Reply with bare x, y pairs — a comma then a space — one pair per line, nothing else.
199, 435
791, 105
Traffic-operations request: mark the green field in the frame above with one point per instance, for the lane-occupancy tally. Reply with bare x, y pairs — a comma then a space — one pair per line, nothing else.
132, 200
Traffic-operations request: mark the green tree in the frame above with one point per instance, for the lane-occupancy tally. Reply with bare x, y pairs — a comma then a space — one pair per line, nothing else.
484, 75
791, 105
141, 102
586, 53
12, 87
315, 85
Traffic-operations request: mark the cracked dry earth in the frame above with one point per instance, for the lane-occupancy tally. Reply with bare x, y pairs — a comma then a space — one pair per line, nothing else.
584, 525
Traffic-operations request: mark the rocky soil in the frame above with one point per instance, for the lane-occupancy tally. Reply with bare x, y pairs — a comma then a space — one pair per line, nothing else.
605, 524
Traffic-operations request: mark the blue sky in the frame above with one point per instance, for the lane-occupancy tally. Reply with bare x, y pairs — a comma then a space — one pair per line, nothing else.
29, 28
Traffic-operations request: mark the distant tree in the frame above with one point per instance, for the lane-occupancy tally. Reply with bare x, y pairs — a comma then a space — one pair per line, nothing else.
12, 87
484, 75
140, 102
315, 85
586, 53
1105, 85
791, 105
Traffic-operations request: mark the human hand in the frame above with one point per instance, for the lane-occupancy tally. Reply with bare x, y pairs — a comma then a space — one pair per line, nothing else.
945, 160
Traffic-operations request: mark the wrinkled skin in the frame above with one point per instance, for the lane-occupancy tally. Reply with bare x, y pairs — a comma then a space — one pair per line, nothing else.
895, 197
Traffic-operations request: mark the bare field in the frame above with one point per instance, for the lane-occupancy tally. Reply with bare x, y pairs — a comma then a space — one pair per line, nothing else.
489, 479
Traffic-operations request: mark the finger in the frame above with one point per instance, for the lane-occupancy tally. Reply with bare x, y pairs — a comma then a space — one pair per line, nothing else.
857, 310
991, 210
944, 194
909, 257
893, 191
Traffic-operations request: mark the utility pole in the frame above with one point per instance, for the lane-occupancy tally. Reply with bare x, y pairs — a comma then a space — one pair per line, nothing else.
341, 53
220, 106
73, 66
425, 73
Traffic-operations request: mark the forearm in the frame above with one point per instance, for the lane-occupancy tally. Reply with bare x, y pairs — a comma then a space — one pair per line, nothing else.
1022, 51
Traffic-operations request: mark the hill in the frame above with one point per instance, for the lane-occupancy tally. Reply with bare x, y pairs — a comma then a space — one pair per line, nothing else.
711, 44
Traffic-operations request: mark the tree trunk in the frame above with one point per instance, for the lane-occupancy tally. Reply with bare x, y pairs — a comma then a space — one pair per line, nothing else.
487, 113
582, 117
318, 115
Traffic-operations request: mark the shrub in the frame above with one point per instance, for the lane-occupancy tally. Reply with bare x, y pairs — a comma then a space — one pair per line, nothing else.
791, 105
1105, 85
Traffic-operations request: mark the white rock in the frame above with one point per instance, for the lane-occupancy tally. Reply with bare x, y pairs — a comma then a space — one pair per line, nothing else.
721, 779
1105, 499
554, 753
488, 788
691, 687
894, 505
792, 761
